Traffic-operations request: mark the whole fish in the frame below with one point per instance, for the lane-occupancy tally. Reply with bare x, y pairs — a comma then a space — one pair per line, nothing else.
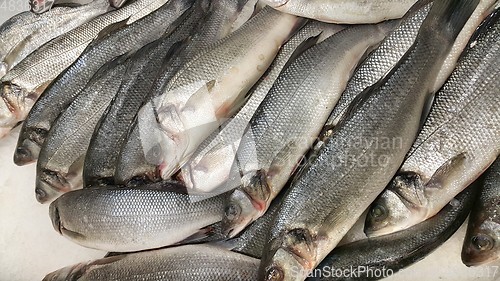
111, 132
133, 165
183, 263
344, 11
125, 38
385, 57
482, 241
210, 165
24, 83
42, 6
127, 220
458, 141
287, 122
59, 168
360, 158
212, 86
392, 252
30, 31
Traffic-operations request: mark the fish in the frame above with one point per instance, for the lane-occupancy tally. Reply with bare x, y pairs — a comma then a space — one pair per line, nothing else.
390, 51
184, 263
112, 129
59, 168
26, 32
481, 243
117, 3
119, 219
287, 122
344, 11
360, 158
42, 6
211, 87
457, 143
390, 253
25, 82
125, 38
134, 167
210, 165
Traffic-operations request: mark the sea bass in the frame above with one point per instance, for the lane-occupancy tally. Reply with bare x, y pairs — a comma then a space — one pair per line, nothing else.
458, 141
210, 165
482, 241
287, 122
184, 263
127, 220
363, 153
344, 11
211, 87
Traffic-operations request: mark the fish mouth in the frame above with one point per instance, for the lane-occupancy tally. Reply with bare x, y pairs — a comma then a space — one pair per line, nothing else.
56, 218
477, 260
49, 185
23, 155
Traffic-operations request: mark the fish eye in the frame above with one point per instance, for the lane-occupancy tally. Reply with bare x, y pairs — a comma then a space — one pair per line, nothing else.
275, 274
232, 211
482, 242
378, 212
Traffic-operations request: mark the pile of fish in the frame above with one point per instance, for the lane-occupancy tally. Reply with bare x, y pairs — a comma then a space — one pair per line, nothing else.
243, 139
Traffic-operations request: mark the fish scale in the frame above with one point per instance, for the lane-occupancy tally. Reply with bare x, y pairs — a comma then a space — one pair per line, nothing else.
127, 220
71, 81
458, 141
205, 263
334, 189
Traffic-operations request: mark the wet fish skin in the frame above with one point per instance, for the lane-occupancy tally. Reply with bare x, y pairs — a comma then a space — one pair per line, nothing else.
458, 141
381, 60
111, 132
304, 233
117, 3
205, 263
132, 219
210, 165
59, 95
344, 11
59, 168
133, 165
481, 243
395, 251
287, 122
213, 85
24, 83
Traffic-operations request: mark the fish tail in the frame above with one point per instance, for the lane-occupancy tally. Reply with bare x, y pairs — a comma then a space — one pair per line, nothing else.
449, 17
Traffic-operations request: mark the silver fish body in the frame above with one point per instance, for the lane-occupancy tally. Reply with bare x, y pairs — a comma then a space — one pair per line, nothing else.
59, 168
183, 263
344, 11
111, 132
287, 122
360, 158
136, 163
457, 143
71, 81
393, 252
127, 220
210, 165
24, 83
482, 241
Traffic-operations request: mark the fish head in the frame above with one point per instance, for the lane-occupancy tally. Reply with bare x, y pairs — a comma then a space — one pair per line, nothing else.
41, 6
238, 213
482, 243
275, 3
394, 210
69, 273
50, 185
29, 145
291, 256
14, 100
